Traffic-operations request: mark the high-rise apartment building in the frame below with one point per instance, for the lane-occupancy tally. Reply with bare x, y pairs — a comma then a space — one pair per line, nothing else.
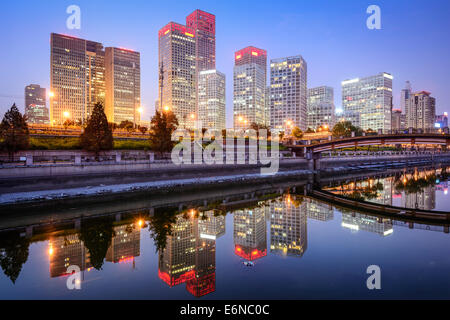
367, 102
442, 121
288, 93
178, 62
77, 78
211, 99
122, 85
421, 111
249, 87
36, 110
321, 110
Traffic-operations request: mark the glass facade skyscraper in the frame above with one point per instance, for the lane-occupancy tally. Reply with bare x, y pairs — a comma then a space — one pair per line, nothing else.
321, 110
288, 93
367, 102
36, 110
211, 99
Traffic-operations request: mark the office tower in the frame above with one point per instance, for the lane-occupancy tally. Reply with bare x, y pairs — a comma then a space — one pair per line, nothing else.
211, 99
125, 244
122, 85
320, 211
249, 87
288, 91
288, 227
204, 25
358, 221
66, 251
36, 110
404, 96
210, 226
321, 107
442, 121
250, 237
177, 59
397, 124
77, 78
177, 260
421, 111
367, 102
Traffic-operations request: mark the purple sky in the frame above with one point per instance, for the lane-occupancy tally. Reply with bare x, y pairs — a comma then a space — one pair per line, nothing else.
331, 35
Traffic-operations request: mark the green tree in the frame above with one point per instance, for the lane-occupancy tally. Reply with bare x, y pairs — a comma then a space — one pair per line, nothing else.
162, 126
97, 135
128, 125
14, 133
97, 236
345, 129
297, 133
160, 226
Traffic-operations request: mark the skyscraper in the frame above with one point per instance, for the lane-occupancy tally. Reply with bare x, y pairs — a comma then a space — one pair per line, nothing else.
122, 85
177, 60
77, 78
249, 81
397, 120
367, 102
421, 111
321, 107
204, 25
442, 121
211, 99
288, 93
404, 96
36, 110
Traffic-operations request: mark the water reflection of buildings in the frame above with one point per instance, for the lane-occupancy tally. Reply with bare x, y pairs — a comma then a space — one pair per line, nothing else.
288, 227
190, 253
358, 221
125, 245
69, 250
319, 210
250, 236
424, 199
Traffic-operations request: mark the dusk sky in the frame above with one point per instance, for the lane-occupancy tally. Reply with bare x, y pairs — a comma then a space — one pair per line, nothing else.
330, 35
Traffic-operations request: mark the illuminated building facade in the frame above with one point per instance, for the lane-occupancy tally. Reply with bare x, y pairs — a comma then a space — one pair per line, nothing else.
122, 85
288, 93
321, 107
36, 110
177, 261
211, 99
204, 24
405, 94
77, 78
249, 87
442, 121
367, 102
398, 120
320, 211
288, 227
65, 251
250, 237
421, 111
358, 221
177, 58
125, 244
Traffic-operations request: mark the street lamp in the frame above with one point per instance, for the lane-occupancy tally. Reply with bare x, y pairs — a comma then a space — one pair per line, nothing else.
66, 114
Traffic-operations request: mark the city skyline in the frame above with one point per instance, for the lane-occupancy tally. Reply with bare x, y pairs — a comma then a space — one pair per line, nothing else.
344, 21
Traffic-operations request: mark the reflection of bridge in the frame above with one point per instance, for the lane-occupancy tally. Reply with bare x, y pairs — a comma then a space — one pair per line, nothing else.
312, 152
385, 211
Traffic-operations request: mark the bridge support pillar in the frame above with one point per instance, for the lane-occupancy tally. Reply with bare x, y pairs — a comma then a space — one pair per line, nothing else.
151, 211
446, 229
411, 225
29, 161
78, 159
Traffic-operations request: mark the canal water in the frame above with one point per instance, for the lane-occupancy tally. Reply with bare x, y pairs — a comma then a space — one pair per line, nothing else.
276, 246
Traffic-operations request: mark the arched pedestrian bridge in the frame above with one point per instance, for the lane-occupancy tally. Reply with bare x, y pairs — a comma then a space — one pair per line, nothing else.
313, 151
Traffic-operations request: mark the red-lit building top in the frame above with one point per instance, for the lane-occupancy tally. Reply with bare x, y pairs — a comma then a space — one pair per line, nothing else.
202, 21
249, 254
251, 55
176, 27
